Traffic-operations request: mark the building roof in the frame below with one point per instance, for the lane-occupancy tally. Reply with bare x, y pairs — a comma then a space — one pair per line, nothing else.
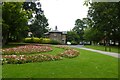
56, 31
64, 32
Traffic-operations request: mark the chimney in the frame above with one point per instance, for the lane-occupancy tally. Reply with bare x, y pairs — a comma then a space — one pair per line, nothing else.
55, 27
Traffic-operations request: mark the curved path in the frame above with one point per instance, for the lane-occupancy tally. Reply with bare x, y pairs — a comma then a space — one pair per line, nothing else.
102, 52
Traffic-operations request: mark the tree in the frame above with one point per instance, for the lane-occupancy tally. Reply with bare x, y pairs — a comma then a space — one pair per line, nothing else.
91, 34
72, 38
38, 22
105, 19
0, 23
14, 20
39, 27
79, 28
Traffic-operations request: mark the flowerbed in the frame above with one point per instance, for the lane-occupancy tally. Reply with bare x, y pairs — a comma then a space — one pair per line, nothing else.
63, 47
70, 53
21, 59
27, 49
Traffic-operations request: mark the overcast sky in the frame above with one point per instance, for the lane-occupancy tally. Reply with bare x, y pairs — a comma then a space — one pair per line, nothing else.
63, 13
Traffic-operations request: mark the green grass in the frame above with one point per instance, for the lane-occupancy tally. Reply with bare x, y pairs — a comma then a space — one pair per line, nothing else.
53, 52
87, 65
102, 48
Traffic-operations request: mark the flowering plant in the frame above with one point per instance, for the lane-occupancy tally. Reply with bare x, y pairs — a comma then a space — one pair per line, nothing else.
27, 49
63, 47
10, 56
20, 59
69, 53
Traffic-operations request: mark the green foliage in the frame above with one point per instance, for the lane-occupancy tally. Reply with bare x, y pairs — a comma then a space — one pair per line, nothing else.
87, 65
102, 48
28, 40
45, 40
48, 41
70, 36
105, 18
54, 42
14, 20
15, 17
40, 40
0, 14
38, 23
39, 27
74, 43
32, 40
78, 31
91, 34
36, 40
79, 28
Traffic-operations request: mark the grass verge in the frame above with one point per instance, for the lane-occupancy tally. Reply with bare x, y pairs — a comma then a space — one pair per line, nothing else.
102, 48
87, 65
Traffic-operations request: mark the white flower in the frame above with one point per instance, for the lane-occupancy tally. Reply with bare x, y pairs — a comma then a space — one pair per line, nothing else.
14, 55
2, 59
3, 50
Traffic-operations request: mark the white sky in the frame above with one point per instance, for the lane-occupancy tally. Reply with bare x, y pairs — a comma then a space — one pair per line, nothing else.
63, 13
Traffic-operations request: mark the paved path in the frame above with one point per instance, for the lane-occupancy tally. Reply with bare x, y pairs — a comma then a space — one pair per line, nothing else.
102, 52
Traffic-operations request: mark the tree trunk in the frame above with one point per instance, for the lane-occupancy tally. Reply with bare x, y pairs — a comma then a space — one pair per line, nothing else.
5, 39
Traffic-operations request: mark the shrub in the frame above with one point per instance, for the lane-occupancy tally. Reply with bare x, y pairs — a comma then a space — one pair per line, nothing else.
46, 40
32, 40
40, 40
36, 40
54, 42
27, 40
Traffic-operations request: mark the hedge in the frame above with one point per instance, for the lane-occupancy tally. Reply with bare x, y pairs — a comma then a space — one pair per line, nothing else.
40, 40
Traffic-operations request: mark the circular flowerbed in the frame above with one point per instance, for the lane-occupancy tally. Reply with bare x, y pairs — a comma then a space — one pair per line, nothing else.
63, 47
20, 59
69, 53
27, 49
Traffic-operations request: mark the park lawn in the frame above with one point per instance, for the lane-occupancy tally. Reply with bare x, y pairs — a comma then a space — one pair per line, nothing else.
87, 65
53, 52
102, 48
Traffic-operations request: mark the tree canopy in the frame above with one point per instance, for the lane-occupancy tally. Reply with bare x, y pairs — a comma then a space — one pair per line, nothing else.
105, 19
101, 23
14, 20
38, 22
16, 17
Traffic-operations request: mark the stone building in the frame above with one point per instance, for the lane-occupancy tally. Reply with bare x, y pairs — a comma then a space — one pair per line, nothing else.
59, 36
